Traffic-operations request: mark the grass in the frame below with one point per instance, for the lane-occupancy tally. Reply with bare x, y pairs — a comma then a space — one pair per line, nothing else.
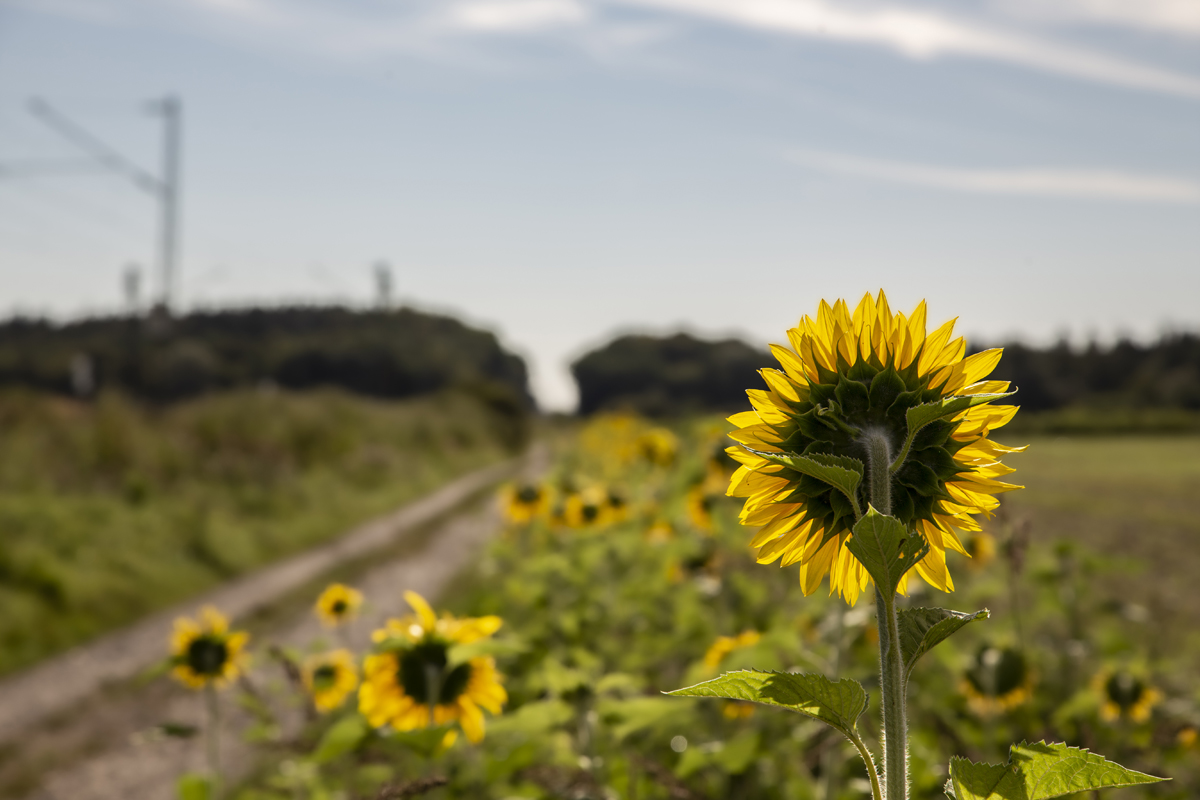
110, 511
1130, 498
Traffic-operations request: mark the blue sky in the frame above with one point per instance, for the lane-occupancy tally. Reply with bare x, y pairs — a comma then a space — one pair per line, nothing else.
560, 170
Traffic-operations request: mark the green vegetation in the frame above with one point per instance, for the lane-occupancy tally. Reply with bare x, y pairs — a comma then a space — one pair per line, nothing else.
600, 619
664, 376
111, 510
393, 354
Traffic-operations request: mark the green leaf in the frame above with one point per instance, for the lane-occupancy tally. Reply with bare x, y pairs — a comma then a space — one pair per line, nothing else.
194, 786
920, 416
886, 548
533, 719
838, 704
1039, 771
343, 736
922, 629
841, 472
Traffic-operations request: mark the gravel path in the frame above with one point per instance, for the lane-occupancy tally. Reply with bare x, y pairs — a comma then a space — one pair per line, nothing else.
81, 726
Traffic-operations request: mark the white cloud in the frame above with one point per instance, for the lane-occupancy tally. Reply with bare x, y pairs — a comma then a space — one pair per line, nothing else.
1091, 184
919, 33
1174, 17
518, 15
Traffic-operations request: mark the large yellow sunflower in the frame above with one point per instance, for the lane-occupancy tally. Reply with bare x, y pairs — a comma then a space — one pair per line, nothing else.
849, 379
330, 678
204, 652
411, 676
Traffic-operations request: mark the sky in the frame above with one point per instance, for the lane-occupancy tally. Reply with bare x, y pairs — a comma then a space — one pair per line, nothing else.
560, 171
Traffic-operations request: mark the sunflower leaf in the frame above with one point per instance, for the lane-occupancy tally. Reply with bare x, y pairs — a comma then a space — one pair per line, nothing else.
1039, 771
194, 786
841, 472
886, 548
920, 416
341, 737
837, 704
922, 629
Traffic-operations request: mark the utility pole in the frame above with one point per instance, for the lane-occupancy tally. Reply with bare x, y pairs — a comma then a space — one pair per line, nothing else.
172, 113
164, 188
383, 285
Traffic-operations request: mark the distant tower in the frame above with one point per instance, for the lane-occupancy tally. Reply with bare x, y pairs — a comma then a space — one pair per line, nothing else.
383, 285
131, 283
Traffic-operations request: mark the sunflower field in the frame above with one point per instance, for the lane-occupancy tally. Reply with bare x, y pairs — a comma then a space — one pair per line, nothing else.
626, 572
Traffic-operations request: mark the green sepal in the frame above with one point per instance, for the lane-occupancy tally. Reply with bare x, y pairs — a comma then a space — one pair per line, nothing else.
922, 629
886, 549
837, 704
920, 416
841, 472
341, 737
1039, 771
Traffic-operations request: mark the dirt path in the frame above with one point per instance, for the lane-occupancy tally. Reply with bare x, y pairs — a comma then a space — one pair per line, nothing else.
79, 726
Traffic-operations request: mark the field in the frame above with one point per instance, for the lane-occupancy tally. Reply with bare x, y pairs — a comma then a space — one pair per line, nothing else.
605, 609
112, 510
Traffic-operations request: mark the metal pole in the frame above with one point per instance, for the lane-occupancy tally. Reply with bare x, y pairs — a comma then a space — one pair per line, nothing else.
168, 254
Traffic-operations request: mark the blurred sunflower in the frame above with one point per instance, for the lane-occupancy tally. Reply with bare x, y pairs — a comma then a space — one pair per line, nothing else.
981, 547
409, 682
699, 503
587, 508
618, 506
848, 381
204, 652
724, 645
658, 446
1125, 695
659, 531
999, 680
338, 604
524, 503
330, 678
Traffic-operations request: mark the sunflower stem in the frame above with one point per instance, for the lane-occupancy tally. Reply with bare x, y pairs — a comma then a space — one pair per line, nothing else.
895, 714
212, 740
891, 662
879, 456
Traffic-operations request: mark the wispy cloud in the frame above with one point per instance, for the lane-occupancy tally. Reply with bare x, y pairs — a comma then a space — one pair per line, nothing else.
518, 15
1090, 184
1172, 17
923, 34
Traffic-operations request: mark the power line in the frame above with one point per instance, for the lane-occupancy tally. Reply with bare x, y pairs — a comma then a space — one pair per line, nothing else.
164, 188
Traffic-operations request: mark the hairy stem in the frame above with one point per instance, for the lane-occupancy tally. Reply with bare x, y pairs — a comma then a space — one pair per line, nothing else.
895, 715
879, 457
872, 773
891, 662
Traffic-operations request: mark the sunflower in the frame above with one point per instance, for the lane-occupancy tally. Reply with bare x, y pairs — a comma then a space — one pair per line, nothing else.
204, 652
338, 604
410, 675
724, 645
848, 383
981, 547
999, 680
330, 678
588, 508
699, 504
1125, 695
525, 502
658, 446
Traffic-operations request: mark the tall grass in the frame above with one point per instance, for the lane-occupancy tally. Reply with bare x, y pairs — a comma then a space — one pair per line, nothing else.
111, 510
